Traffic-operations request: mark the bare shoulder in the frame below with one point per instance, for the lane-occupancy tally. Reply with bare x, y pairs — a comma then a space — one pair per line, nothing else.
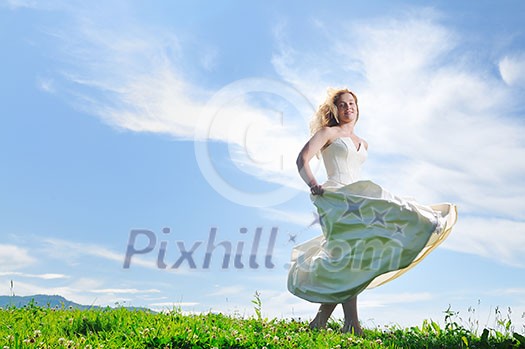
328, 133
323, 135
365, 143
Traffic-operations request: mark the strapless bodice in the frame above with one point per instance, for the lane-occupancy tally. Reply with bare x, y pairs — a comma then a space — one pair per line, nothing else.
343, 162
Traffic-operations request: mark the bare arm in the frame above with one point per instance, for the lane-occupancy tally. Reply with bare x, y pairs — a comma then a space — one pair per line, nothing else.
312, 147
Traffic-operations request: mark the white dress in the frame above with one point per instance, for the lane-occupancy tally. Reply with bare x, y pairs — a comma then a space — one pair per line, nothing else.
370, 236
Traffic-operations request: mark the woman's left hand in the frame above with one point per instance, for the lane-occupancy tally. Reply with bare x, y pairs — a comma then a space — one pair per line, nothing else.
316, 189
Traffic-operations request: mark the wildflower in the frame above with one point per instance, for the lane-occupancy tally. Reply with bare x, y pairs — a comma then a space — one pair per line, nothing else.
10, 338
61, 340
6, 347
379, 341
37, 333
275, 338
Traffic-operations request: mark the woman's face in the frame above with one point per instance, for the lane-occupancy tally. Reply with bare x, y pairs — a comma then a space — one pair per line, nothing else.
346, 108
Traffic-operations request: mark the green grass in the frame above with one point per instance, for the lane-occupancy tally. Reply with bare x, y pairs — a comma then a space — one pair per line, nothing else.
41, 327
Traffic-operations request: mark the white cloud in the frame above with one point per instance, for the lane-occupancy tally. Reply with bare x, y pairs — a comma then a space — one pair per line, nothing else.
512, 69
495, 238
14, 4
144, 90
47, 276
124, 291
70, 292
14, 257
72, 251
34, 4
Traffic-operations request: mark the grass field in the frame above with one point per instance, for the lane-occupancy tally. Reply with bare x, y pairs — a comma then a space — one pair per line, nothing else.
43, 327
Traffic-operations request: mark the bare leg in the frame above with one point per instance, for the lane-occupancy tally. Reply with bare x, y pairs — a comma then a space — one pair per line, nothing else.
351, 319
323, 314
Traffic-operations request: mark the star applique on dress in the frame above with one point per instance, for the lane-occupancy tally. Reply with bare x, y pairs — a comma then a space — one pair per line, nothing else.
353, 208
399, 230
379, 217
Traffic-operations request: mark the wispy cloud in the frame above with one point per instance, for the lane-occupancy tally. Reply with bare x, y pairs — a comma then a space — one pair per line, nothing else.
124, 291
512, 69
34, 4
71, 251
495, 238
46, 276
131, 77
14, 4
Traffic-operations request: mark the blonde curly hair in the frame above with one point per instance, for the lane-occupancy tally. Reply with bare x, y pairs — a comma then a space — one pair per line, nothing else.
326, 115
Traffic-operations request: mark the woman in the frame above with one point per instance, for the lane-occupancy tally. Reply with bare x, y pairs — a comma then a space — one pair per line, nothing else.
369, 235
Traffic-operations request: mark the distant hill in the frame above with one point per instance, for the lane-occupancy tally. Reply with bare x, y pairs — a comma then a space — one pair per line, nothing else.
55, 301
40, 300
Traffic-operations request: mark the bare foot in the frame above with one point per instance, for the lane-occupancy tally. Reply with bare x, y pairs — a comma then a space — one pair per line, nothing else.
322, 316
316, 323
355, 329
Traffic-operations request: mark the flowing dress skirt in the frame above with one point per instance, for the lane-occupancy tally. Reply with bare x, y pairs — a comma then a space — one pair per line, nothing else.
370, 237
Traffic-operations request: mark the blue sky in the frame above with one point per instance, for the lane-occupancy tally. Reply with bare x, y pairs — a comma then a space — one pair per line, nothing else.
129, 115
